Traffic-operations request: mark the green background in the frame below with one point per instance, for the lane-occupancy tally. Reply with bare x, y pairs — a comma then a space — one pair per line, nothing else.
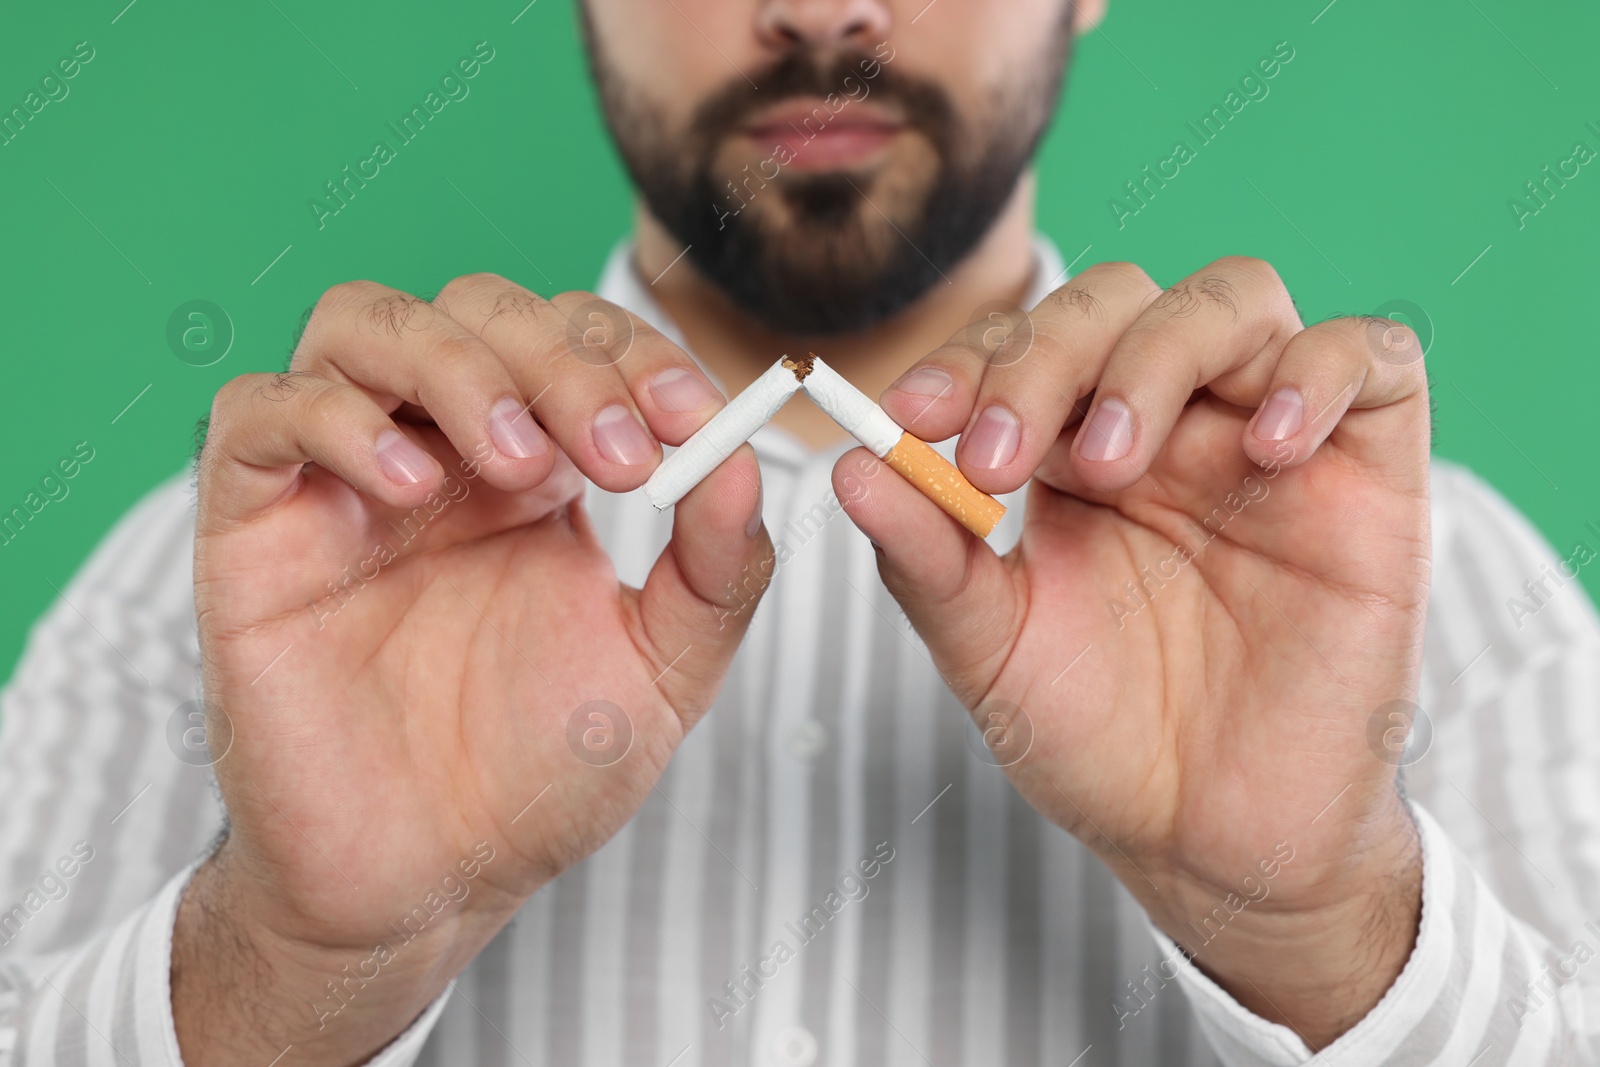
1378, 168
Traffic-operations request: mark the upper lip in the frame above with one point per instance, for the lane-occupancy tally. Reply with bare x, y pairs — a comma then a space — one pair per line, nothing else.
794, 112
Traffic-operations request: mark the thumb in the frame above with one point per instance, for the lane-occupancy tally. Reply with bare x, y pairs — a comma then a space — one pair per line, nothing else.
959, 595
698, 599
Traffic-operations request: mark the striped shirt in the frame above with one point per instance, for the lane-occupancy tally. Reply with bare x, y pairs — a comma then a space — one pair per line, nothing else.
984, 935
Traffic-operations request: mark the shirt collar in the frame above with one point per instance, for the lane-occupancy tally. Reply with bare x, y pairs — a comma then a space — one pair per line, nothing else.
621, 285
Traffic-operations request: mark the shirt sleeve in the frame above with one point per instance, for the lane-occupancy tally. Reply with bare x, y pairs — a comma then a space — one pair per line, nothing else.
1506, 795
110, 1001
109, 805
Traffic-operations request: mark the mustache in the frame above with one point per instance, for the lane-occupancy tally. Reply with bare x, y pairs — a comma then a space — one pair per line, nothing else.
924, 105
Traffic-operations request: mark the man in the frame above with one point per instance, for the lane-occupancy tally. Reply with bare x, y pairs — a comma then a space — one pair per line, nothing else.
467, 819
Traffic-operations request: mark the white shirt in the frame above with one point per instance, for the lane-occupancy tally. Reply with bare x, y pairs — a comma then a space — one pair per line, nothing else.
990, 937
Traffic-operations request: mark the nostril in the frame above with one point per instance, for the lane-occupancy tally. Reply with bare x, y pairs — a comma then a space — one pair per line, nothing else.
821, 23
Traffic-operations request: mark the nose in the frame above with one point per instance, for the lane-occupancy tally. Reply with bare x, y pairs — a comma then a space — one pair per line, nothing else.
786, 24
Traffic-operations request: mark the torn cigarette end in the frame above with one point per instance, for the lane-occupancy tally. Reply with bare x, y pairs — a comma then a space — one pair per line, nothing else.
800, 365
943, 483
916, 461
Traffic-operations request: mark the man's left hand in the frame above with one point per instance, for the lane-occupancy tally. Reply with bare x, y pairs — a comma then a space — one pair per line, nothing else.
1221, 579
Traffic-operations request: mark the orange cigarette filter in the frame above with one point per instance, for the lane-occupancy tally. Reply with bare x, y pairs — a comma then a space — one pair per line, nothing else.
943, 483
916, 461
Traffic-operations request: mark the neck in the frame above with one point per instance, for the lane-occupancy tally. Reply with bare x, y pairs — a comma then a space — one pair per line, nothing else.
735, 349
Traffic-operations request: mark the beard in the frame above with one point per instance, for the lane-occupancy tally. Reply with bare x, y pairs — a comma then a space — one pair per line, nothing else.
814, 254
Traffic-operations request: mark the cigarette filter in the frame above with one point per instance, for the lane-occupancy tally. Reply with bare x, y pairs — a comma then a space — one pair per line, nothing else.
717, 439
936, 477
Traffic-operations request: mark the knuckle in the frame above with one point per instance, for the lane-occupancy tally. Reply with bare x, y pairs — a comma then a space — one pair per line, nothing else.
233, 392
233, 395
1391, 343
235, 403
1399, 332
1210, 292
451, 355
283, 388
1260, 298
1178, 301
998, 334
1129, 274
335, 301
337, 298
1251, 268
581, 307
323, 407
595, 331
477, 283
482, 279
500, 297
1074, 301
392, 312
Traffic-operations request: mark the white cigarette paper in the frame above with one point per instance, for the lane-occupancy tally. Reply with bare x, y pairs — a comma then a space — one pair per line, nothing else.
911, 457
717, 439
852, 409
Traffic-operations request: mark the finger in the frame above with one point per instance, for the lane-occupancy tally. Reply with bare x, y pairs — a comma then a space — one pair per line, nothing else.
668, 387
953, 588
1222, 327
606, 385
1029, 366
401, 349
1201, 460
1360, 377
265, 427
464, 508
698, 598
1034, 386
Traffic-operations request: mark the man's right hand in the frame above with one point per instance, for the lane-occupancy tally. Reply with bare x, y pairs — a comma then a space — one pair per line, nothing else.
403, 614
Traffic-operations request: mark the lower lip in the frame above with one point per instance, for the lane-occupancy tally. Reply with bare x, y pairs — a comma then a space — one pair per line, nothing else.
839, 148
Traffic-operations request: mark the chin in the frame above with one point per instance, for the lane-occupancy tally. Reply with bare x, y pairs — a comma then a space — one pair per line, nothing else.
815, 277
823, 254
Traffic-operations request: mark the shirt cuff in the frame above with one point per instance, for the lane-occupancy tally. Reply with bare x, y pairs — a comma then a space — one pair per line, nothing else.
154, 1007
1241, 1038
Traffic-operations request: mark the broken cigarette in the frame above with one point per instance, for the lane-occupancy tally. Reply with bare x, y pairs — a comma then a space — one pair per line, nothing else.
936, 477
717, 439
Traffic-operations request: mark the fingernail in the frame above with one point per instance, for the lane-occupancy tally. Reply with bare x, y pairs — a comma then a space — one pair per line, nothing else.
926, 381
679, 390
994, 438
1281, 416
512, 430
754, 525
1108, 434
401, 460
620, 438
